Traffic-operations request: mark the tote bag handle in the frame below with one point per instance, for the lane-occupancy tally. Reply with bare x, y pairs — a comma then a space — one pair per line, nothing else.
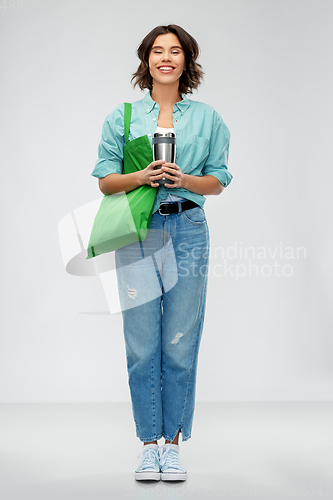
127, 119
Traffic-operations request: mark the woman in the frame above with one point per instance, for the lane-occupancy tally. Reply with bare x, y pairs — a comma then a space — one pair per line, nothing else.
162, 281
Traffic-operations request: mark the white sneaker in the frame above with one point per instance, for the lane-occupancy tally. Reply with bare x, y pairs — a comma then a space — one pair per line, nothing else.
149, 467
171, 469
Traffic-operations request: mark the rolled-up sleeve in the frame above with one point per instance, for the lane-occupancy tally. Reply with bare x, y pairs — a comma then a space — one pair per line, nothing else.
111, 146
217, 161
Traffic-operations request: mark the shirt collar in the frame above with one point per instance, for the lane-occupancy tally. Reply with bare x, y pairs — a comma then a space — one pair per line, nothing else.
149, 103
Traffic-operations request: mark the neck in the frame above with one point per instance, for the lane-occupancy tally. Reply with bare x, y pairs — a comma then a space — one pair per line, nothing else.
166, 95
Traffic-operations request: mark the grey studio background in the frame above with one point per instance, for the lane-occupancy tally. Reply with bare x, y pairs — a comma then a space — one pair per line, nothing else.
268, 72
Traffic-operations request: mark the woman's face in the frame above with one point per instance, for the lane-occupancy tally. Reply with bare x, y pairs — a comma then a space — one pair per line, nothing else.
166, 59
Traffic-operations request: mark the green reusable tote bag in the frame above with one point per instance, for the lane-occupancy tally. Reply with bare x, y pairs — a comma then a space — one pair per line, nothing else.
124, 218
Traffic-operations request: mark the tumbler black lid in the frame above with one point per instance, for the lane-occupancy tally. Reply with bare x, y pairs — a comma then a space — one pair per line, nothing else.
168, 138
166, 134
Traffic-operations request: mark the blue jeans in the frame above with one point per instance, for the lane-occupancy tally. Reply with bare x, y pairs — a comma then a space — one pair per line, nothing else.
162, 285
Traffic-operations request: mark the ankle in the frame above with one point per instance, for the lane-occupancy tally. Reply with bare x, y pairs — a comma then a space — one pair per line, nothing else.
175, 441
151, 442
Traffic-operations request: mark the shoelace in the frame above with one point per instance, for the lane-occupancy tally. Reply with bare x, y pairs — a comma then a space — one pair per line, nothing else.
170, 458
151, 455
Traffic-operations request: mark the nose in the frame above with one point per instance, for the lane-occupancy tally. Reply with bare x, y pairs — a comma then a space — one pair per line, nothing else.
166, 57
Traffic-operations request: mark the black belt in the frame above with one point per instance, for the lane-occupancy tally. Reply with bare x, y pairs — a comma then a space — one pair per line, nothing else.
175, 207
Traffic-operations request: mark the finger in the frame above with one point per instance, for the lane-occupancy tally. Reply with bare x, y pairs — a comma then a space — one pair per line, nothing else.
170, 176
155, 163
169, 169
156, 171
155, 167
172, 165
157, 176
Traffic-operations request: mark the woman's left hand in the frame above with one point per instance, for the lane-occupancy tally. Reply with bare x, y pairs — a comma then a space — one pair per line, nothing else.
173, 172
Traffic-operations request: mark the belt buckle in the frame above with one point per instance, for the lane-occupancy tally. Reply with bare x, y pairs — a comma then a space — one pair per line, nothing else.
161, 206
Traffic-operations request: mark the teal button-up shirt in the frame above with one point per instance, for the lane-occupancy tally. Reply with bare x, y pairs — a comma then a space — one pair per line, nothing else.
202, 142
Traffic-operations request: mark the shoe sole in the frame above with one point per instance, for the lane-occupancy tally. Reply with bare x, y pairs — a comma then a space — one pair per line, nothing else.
144, 476
173, 477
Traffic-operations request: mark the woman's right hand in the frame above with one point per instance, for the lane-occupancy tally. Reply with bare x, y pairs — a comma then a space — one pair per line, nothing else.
115, 183
150, 175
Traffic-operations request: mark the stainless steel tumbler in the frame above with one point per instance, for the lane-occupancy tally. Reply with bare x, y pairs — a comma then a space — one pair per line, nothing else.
164, 148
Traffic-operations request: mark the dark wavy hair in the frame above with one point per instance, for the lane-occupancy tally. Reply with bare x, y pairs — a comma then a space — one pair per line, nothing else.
192, 74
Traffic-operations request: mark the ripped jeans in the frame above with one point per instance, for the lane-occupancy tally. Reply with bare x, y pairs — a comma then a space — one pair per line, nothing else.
162, 285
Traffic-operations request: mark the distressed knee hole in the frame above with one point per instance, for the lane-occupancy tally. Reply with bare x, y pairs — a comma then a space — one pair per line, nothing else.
132, 293
175, 340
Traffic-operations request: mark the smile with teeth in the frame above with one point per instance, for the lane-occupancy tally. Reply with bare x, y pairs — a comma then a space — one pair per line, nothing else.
166, 69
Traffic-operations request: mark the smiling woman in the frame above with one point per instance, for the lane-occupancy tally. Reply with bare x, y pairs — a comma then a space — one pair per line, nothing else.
192, 73
163, 307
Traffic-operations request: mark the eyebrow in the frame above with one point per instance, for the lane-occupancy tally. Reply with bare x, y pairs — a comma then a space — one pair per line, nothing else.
159, 47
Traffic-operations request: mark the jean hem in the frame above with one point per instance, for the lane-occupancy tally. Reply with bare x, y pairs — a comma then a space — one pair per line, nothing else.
184, 438
171, 438
149, 439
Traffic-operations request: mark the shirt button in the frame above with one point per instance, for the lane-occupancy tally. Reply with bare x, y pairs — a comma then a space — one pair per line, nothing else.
148, 110
154, 119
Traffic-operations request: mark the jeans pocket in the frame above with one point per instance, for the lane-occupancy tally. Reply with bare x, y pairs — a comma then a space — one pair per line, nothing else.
195, 216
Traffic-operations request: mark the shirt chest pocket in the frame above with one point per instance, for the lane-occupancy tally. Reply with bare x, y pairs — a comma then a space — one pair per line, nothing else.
198, 151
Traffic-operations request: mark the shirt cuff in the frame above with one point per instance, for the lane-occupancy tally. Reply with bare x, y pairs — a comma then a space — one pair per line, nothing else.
106, 167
